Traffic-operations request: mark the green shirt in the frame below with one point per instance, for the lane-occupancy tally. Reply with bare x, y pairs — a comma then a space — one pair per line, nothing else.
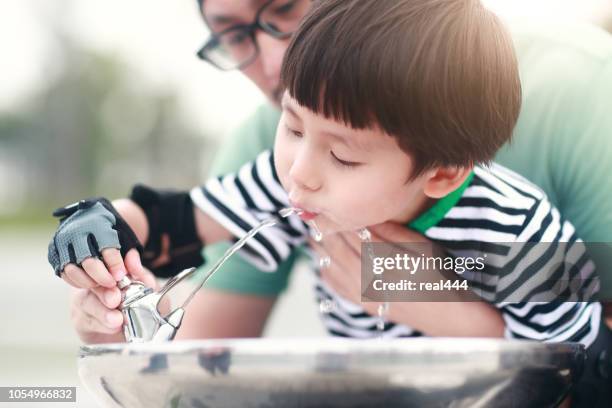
562, 142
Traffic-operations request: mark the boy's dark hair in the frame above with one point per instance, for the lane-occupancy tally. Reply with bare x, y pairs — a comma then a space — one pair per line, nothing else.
438, 75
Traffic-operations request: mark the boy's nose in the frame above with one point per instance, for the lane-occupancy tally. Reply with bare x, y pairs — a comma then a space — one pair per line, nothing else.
303, 173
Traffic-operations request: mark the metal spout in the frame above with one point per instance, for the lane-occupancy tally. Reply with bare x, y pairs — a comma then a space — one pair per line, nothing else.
143, 322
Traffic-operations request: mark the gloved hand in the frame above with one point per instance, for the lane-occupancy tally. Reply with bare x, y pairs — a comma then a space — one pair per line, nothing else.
86, 228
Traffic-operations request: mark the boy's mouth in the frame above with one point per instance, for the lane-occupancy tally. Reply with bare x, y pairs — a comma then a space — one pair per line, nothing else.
304, 214
307, 215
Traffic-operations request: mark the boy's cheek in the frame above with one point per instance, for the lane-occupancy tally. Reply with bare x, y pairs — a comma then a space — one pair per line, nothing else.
281, 170
348, 215
368, 214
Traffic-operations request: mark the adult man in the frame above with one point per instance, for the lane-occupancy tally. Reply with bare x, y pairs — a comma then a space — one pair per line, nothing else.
560, 144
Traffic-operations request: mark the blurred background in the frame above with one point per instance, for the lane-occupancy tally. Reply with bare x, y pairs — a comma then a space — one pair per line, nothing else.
95, 96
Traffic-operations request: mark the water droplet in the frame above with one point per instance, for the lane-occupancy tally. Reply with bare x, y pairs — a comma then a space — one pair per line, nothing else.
365, 235
315, 232
325, 262
383, 308
381, 312
327, 306
286, 212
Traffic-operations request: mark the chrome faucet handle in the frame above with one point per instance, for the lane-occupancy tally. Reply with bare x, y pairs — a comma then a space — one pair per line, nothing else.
139, 305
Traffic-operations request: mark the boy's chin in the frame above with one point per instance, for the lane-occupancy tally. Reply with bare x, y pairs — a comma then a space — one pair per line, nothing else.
328, 227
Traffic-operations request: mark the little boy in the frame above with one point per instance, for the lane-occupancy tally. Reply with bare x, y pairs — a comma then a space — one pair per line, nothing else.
385, 118
391, 111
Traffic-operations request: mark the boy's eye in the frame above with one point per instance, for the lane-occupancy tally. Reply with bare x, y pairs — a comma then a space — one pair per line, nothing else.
344, 162
294, 132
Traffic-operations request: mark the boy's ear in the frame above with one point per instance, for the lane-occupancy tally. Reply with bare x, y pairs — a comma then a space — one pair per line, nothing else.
444, 180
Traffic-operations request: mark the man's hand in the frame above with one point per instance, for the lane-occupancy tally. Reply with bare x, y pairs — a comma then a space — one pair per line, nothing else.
431, 318
344, 249
94, 311
106, 270
93, 308
86, 229
95, 301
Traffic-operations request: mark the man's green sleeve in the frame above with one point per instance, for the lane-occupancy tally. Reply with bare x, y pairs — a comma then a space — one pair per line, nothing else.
243, 145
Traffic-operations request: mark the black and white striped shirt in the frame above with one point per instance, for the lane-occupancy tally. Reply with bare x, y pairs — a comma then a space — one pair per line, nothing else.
496, 207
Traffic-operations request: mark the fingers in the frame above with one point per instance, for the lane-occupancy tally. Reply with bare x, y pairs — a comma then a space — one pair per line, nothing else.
323, 253
401, 238
137, 271
343, 274
111, 298
352, 242
343, 256
92, 272
77, 277
95, 274
398, 236
114, 263
133, 263
67, 279
97, 271
89, 315
338, 246
342, 283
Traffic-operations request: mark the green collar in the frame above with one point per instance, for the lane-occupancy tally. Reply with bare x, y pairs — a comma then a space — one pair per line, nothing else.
438, 211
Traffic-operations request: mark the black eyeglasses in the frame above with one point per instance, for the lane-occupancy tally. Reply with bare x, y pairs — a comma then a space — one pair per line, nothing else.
236, 47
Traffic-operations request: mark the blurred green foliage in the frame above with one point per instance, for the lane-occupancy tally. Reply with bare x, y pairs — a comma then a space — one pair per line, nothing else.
95, 128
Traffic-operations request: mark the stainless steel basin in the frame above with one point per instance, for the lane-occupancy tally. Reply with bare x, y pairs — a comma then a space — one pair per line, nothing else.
422, 372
